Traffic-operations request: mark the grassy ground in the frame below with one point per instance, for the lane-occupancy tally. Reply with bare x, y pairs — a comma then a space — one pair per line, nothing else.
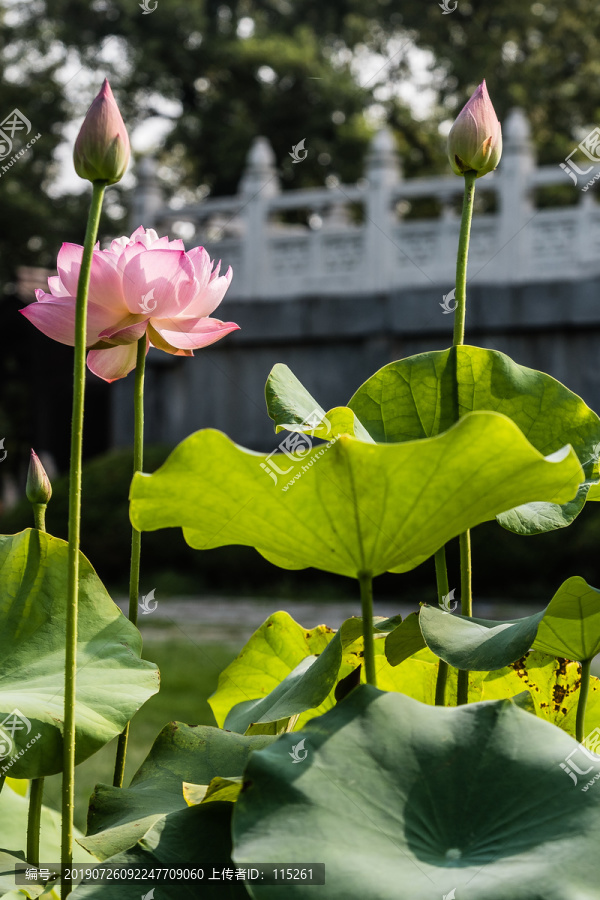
189, 675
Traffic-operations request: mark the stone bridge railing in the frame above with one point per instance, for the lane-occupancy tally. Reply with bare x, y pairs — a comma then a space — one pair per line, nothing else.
358, 238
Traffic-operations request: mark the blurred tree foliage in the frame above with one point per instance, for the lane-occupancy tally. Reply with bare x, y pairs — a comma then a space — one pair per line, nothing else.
543, 56
220, 72
288, 69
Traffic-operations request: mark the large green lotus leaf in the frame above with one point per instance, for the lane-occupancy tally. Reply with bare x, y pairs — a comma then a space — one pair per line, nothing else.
120, 817
299, 691
112, 681
398, 798
197, 836
221, 789
405, 640
292, 408
538, 518
14, 809
416, 398
571, 625
416, 676
269, 656
479, 644
8, 862
554, 685
281, 654
308, 689
594, 492
361, 507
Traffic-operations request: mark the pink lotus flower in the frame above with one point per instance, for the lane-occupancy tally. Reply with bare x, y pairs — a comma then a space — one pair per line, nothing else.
475, 139
140, 285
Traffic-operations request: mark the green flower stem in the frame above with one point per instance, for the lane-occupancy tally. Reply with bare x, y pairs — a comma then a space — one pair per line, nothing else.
466, 607
36, 794
460, 294
34, 821
366, 598
68, 787
582, 702
136, 537
458, 339
39, 516
466, 598
443, 589
2, 780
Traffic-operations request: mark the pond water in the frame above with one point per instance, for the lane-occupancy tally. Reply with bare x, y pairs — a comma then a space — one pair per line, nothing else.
233, 620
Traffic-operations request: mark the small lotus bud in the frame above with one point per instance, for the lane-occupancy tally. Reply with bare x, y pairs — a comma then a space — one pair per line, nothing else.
39, 489
102, 147
475, 139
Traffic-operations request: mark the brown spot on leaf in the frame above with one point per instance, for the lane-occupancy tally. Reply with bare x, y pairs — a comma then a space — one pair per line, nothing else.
558, 695
562, 665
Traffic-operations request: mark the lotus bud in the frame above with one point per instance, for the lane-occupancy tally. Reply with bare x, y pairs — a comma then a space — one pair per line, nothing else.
102, 147
475, 139
39, 489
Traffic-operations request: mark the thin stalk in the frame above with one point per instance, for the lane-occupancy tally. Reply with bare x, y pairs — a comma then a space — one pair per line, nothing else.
136, 537
2, 780
443, 589
466, 606
582, 702
458, 339
39, 516
68, 787
460, 287
36, 794
34, 821
366, 598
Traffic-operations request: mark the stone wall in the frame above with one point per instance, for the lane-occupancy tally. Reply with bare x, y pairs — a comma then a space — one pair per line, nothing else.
333, 344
